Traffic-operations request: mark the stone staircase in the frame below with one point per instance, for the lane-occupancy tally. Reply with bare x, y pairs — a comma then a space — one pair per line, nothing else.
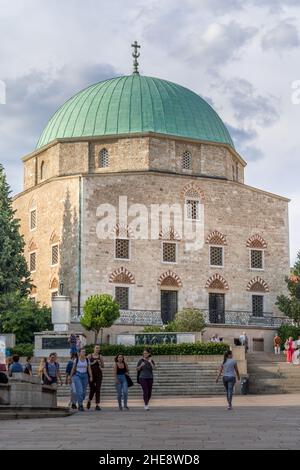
171, 378
270, 374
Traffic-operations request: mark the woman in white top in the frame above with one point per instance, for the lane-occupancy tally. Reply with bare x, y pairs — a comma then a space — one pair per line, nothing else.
80, 375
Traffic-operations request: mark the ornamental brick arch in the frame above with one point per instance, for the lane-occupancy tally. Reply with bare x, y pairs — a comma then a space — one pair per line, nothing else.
216, 238
256, 241
192, 190
54, 238
122, 276
122, 231
257, 284
53, 284
169, 234
217, 282
169, 279
32, 246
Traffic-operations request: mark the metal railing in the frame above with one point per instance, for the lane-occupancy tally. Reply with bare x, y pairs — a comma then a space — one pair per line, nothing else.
229, 317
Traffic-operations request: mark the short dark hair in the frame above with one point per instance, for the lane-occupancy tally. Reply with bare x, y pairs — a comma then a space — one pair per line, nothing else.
16, 358
148, 350
28, 358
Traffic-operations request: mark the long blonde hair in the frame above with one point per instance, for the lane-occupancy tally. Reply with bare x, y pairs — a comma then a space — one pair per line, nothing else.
42, 366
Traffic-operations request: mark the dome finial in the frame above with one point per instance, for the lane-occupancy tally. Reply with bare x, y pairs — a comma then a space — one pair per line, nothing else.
136, 55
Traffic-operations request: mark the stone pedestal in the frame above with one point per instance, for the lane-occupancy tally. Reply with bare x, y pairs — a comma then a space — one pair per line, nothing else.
23, 390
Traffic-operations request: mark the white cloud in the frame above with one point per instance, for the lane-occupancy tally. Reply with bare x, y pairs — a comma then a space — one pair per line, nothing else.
283, 36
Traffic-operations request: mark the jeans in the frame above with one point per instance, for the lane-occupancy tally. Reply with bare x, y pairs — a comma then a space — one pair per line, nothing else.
229, 383
122, 389
80, 382
146, 385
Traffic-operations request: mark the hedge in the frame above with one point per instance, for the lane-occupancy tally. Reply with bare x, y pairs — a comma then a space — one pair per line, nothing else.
22, 349
189, 349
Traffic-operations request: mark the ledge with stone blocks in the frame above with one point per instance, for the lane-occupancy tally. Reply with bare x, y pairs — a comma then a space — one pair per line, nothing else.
24, 390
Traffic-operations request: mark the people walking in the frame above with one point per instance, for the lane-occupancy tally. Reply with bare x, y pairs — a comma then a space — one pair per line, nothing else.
28, 366
230, 372
244, 341
97, 364
69, 381
145, 368
121, 372
81, 374
277, 344
289, 348
15, 367
51, 371
72, 340
296, 351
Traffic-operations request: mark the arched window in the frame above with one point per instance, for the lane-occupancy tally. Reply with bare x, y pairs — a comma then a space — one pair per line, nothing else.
42, 172
186, 160
103, 158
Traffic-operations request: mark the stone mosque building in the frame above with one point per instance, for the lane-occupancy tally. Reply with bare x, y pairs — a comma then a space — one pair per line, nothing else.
150, 142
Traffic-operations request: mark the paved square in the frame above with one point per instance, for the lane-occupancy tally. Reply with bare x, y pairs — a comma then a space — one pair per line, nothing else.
265, 422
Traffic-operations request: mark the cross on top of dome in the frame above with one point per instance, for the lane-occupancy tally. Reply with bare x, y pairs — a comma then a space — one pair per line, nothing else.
136, 54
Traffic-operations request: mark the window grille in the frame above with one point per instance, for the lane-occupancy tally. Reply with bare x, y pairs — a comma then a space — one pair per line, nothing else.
103, 158
122, 248
122, 297
54, 255
169, 252
192, 209
33, 219
32, 262
256, 259
257, 305
216, 256
186, 161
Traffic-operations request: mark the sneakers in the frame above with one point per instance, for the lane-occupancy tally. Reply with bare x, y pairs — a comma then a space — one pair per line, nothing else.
98, 408
146, 407
120, 408
229, 407
88, 405
73, 406
80, 408
126, 408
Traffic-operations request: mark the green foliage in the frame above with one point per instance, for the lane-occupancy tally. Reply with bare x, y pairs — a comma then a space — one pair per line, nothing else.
189, 349
290, 305
100, 311
188, 319
23, 317
287, 331
14, 274
22, 349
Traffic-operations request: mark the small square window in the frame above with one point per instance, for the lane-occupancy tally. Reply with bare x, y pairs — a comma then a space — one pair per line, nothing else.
122, 248
258, 305
33, 219
256, 259
216, 255
192, 209
122, 297
32, 262
54, 255
169, 252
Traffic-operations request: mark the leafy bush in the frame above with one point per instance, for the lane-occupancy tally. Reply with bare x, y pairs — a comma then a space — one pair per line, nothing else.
100, 311
23, 317
188, 349
22, 349
188, 319
285, 331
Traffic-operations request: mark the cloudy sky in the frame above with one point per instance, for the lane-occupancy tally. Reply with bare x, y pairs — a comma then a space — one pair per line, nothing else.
241, 55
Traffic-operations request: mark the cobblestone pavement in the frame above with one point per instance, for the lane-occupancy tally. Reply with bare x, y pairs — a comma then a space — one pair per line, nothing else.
265, 422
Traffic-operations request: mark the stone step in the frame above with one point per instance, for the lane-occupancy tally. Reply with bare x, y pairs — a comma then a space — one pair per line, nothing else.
8, 412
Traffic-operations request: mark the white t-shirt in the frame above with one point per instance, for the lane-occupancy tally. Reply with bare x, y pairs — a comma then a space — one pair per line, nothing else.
82, 366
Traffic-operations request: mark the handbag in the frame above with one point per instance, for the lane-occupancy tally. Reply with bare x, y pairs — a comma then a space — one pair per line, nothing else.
129, 381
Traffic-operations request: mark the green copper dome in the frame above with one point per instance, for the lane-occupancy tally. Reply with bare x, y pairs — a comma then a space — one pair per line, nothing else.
134, 104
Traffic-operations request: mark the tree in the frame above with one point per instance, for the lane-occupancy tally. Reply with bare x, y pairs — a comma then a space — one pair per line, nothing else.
23, 317
189, 319
99, 311
290, 305
14, 274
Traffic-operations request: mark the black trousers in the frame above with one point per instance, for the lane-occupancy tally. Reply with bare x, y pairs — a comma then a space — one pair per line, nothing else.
95, 388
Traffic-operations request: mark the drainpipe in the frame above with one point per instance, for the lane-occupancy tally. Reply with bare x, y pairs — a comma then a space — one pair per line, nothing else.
80, 204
